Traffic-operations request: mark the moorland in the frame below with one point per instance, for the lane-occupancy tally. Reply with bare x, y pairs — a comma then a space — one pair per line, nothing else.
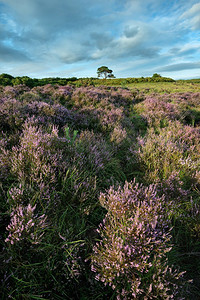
100, 189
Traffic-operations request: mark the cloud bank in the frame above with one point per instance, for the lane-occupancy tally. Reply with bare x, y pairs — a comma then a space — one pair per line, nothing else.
43, 38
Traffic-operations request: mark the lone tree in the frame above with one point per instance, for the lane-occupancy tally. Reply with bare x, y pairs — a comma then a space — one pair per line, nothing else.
105, 72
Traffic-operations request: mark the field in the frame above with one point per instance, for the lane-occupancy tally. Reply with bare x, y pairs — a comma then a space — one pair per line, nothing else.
165, 87
100, 191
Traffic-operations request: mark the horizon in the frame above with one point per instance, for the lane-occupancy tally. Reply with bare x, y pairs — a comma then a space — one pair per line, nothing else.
40, 78
42, 38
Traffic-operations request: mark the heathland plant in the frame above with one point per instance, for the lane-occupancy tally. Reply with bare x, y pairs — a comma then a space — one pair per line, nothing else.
62, 149
131, 256
169, 149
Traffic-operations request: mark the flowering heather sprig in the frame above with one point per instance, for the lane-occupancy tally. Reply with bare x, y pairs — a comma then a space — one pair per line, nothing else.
48, 113
110, 118
15, 91
118, 135
35, 160
10, 115
172, 187
45, 91
62, 94
16, 195
30, 96
22, 194
175, 148
93, 152
26, 225
180, 106
156, 110
185, 101
131, 256
42, 108
4, 158
98, 96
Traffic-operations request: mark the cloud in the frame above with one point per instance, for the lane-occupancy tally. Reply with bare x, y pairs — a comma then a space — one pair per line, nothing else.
48, 19
131, 31
135, 41
50, 14
8, 54
69, 53
180, 67
193, 14
186, 50
101, 40
50, 35
64, 30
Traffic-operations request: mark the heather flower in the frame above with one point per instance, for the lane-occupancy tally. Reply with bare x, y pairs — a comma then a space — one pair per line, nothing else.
48, 113
99, 95
45, 92
36, 160
4, 158
21, 194
10, 116
93, 151
188, 104
62, 94
172, 188
111, 118
15, 91
135, 238
106, 103
30, 96
26, 225
63, 171
156, 110
174, 148
16, 194
118, 135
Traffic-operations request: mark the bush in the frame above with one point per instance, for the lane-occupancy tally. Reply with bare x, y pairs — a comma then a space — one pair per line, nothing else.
131, 256
173, 148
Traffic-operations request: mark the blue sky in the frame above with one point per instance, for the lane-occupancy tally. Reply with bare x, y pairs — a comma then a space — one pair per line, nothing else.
134, 38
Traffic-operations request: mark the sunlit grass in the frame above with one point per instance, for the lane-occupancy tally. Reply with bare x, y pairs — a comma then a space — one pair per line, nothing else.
164, 87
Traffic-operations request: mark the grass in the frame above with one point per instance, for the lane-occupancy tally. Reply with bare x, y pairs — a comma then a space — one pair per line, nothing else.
164, 87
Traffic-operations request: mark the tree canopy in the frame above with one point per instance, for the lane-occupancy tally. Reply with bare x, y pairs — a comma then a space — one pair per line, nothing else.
105, 72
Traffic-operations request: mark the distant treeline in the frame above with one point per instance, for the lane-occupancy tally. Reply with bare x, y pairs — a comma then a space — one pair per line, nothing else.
6, 79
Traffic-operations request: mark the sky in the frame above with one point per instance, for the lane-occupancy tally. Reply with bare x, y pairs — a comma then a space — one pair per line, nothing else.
72, 38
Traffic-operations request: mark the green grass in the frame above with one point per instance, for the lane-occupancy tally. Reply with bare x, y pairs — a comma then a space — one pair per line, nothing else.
164, 87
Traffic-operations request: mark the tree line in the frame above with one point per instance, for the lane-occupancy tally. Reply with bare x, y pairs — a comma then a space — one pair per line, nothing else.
108, 78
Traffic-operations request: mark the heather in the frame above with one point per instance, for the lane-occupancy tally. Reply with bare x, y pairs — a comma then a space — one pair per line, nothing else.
131, 257
99, 192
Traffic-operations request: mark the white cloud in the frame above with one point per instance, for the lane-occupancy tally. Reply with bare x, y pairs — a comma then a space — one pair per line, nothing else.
181, 66
50, 35
193, 15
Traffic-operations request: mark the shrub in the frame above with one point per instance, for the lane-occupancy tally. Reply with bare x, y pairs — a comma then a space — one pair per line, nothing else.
25, 225
118, 135
94, 158
158, 111
131, 256
174, 148
33, 160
